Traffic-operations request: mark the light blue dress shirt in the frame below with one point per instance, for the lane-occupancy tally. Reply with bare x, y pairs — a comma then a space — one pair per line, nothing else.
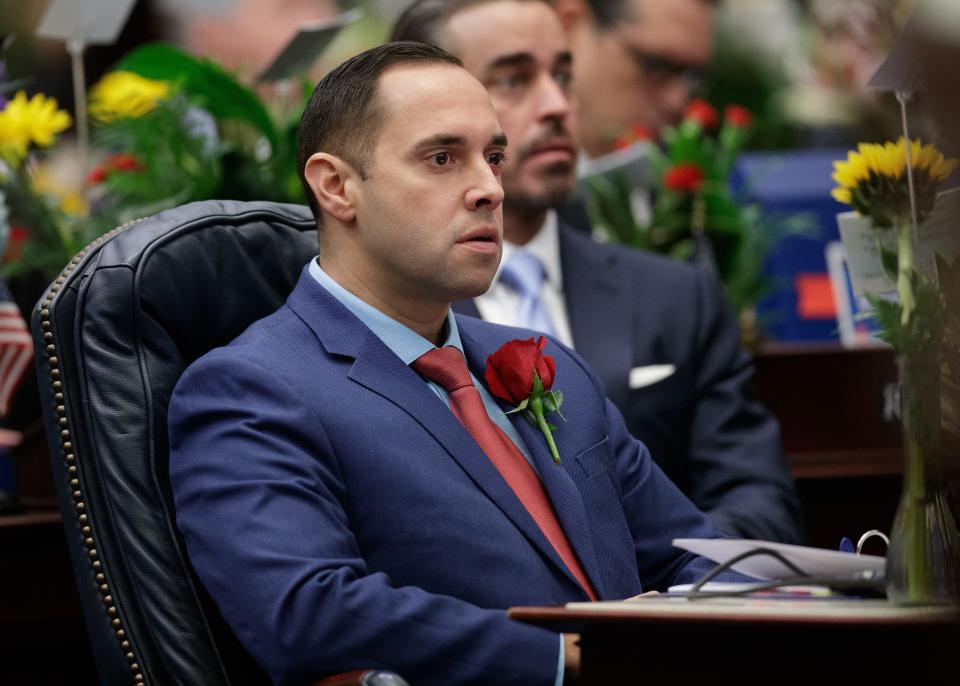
408, 345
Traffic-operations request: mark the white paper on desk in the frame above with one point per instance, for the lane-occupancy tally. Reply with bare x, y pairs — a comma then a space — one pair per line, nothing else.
812, 561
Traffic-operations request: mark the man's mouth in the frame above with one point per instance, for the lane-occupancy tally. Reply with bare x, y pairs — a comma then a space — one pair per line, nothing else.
551, 151
485, 240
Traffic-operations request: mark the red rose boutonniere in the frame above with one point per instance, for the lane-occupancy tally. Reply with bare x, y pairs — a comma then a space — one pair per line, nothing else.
520, 373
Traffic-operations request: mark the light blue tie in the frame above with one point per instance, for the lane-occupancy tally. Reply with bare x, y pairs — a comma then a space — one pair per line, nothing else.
524, 273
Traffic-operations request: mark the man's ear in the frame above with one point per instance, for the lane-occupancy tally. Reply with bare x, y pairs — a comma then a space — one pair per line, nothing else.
331, 180
571, 12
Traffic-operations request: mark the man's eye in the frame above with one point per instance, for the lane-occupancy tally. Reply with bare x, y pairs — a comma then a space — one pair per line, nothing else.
441, 159
562, 79
509, 82
496, 159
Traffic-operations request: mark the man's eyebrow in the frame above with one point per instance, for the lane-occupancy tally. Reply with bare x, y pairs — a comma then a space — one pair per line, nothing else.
441, 140
446, 140
498, 140
515, 59
523, 59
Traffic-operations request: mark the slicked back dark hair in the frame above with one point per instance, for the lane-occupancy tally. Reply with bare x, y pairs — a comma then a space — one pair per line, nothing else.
609, 13
424, 20
343, 117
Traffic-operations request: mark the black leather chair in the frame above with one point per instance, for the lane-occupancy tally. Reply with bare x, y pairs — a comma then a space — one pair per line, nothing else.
113, 334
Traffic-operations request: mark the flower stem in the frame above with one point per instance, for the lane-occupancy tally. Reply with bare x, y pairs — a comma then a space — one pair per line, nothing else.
536, 406
904, 269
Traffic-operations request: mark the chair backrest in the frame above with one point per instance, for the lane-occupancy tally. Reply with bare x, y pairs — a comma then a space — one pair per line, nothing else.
118, 327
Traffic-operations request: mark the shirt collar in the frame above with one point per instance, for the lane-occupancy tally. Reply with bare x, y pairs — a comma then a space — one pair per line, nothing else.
545, 244
406, 343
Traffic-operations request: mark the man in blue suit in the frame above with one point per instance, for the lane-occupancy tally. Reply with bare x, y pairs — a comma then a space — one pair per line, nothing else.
331, 501
659, 334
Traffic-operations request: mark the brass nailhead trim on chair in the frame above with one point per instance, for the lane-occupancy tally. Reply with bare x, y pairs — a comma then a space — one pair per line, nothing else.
66, 445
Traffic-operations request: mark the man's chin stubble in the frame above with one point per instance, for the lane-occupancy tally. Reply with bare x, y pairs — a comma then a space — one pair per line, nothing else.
526, 205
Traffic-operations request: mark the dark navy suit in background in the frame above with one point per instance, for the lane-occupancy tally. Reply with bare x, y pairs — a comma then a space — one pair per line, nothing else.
341, 517
630, 309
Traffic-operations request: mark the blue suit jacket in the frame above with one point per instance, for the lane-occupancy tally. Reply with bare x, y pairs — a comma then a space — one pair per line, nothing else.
702, 425
341, 517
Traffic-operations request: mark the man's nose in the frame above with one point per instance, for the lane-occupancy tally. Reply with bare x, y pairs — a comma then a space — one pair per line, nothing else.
486, 191
554, 101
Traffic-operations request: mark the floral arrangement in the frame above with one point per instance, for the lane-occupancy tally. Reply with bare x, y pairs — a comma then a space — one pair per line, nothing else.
923, 562
695, 215
167, 128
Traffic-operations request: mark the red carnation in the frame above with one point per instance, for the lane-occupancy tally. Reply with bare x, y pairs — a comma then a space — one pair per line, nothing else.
701, 112
686, 177
737, 116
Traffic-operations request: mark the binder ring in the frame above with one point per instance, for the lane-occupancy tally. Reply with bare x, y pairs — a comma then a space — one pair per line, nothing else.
870, 534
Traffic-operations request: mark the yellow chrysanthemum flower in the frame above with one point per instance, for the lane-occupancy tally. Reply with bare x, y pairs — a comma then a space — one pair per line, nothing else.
35, 121
123, 95
874, 181
13, 143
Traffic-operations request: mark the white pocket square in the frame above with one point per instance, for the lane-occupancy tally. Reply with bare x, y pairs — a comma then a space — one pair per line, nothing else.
651, 374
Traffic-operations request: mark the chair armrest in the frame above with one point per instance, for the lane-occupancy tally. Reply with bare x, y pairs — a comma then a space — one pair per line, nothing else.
362, 677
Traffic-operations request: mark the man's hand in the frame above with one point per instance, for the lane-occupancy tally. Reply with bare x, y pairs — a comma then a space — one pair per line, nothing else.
571, 659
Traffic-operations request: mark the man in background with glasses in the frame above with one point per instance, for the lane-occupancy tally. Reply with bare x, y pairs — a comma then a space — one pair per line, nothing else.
637, 62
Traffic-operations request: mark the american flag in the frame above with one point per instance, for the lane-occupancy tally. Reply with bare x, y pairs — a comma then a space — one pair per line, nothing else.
16, 347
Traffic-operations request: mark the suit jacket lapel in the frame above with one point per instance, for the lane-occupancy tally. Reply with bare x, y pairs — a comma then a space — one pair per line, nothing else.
377, 368
561, 488
599, 306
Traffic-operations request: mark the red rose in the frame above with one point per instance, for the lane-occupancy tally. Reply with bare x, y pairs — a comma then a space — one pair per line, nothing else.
686, 177
509, 373
701, 112
737, 116
635, 134
97, 175
124, 162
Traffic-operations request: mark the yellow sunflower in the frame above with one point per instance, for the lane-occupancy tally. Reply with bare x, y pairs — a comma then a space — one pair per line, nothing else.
124, 95
873, 179
24, 122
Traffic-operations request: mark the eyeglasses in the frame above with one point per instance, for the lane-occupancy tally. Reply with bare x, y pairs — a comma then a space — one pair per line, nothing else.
661, 69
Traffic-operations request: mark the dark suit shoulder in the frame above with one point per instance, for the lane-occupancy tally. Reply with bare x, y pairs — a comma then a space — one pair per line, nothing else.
643, 265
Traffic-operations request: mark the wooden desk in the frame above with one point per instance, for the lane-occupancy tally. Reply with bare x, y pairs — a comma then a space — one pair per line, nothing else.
838, 417
628, 645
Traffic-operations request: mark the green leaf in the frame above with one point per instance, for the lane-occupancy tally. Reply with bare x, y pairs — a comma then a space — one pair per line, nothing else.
557, 398
549, 404
522, 406
888, 258
213, 88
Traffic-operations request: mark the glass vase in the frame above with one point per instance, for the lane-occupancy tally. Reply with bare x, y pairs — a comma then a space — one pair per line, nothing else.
923, 560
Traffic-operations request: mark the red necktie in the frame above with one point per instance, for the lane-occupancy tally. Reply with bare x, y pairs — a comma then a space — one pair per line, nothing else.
447, 368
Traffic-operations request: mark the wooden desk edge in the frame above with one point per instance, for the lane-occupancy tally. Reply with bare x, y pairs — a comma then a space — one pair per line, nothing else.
563, 619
